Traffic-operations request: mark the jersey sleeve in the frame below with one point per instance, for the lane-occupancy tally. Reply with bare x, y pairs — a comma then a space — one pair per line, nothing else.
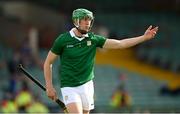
100, 40
57, 46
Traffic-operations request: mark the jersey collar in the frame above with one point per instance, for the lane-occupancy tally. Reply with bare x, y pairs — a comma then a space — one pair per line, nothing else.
74, 36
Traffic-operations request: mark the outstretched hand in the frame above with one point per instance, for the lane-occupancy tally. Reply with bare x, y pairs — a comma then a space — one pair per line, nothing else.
150, 32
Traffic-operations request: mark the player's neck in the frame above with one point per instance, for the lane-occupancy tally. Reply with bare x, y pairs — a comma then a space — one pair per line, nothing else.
77, 33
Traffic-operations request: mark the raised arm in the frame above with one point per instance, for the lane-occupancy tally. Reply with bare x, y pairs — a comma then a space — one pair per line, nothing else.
129, 42
51, 57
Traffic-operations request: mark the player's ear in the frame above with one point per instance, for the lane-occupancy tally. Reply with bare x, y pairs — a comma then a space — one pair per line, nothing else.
73, 21
76, 22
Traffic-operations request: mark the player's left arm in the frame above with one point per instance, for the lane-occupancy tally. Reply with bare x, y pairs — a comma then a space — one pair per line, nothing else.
129, 42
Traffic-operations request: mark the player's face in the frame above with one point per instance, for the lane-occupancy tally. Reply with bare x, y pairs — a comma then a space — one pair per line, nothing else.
85, 24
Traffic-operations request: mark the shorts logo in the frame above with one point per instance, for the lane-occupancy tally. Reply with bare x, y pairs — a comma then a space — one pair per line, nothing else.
66, 98
88, 43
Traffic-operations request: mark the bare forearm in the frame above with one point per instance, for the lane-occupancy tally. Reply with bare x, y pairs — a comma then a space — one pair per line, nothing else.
149, 34
121, 44
48, 74
129, 42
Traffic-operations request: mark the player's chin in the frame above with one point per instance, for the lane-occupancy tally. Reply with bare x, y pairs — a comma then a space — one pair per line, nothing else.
86, 30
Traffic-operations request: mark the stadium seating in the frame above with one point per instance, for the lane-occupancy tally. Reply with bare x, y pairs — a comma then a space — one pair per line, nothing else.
145, 91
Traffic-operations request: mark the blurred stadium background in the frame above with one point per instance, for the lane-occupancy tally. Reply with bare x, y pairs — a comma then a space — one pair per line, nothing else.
142, 79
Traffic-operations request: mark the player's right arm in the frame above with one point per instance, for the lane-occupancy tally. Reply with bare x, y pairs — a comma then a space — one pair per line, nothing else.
50, 91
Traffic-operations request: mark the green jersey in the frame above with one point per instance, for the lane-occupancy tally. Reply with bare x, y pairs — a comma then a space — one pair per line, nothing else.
76, 57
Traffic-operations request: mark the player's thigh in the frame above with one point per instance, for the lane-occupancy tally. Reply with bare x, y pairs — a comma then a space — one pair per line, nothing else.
75, 107
72, 100
87, 96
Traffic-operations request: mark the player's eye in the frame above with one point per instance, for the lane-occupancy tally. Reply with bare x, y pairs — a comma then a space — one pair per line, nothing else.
87, 18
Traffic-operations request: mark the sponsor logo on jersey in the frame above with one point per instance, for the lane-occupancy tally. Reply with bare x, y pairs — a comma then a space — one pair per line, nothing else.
70, 46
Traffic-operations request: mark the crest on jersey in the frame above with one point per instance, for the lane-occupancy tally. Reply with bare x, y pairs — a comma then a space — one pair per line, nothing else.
88, 43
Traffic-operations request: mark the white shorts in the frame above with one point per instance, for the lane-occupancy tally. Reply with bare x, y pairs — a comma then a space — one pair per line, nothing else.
83, 94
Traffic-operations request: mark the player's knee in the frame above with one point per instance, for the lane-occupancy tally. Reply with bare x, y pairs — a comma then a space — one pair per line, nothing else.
86, 111
74, 108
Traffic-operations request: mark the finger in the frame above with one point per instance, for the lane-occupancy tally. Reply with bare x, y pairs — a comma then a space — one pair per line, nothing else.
50, 96
154, 32
149, 27
55, 98
155, 29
